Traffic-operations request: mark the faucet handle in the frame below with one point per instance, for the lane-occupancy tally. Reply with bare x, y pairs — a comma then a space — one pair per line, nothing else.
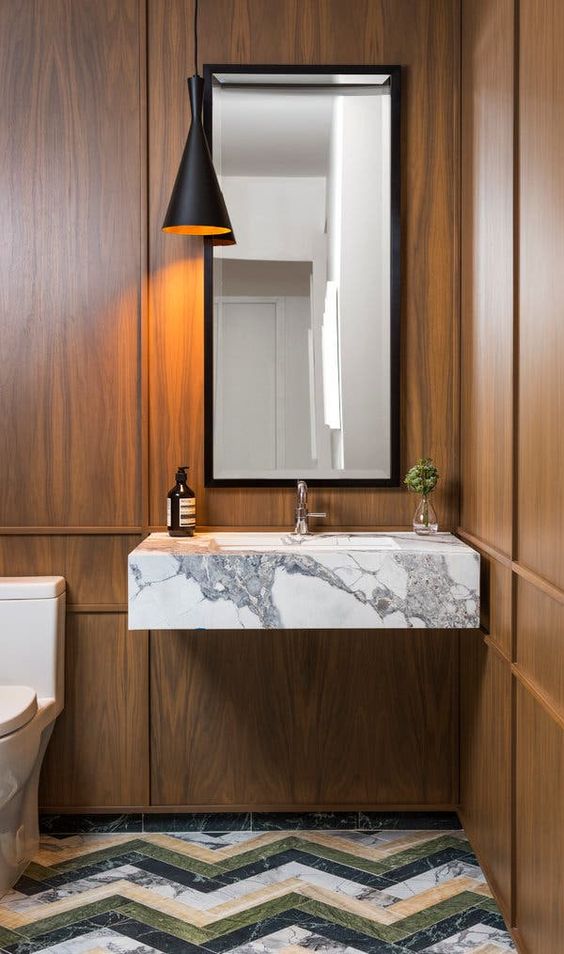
310, 514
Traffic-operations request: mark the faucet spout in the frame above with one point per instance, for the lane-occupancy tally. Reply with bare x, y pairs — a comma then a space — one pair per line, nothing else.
301, 528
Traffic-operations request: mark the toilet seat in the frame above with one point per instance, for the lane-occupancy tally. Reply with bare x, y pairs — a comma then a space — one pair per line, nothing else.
18, 705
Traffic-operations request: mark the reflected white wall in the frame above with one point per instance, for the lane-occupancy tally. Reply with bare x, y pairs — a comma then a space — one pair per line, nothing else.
274, 217
358, 224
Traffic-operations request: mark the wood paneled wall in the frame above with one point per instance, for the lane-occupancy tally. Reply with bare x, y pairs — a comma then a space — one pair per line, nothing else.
512, 422
422, 37
102, 372
73, 260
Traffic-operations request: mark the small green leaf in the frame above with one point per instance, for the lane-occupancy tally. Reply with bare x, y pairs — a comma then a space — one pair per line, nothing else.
422, 478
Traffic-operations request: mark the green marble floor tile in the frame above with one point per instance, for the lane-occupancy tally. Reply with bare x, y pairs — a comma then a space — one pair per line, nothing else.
212, 870
402, 929
39, 872
81, 913
195, 935
438, 912
253, 915
94, 857
184, 862
389, 863
488, 904
384, 932
256, 854
161, 922
8, 937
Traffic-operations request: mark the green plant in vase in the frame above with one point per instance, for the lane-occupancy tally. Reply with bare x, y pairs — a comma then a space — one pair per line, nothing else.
422, 478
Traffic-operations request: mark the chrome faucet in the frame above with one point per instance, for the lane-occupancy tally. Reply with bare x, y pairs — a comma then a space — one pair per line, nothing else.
302, 513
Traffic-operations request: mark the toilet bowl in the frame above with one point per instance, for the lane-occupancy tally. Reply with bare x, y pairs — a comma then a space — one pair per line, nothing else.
32, 614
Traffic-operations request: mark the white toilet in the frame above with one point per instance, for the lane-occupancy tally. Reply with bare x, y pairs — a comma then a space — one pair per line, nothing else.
32, 633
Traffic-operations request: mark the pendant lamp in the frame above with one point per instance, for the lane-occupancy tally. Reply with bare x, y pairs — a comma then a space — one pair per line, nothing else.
197, 206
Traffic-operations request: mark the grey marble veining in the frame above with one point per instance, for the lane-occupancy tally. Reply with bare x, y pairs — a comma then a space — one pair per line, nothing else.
326, 581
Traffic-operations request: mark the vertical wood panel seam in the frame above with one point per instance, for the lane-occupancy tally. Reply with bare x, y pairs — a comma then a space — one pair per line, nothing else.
143, 383
515, 452
457, 252
458, 300
145, 389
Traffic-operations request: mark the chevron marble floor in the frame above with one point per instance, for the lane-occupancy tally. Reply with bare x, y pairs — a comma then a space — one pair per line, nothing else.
384, 891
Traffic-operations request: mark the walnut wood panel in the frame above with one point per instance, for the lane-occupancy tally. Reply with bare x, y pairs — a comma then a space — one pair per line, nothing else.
94, 566
540, 828
496, 601
487, 271
540, 638
541, 289
487, 426
71, 216
303, 718
421, 36
98, 754
485, 758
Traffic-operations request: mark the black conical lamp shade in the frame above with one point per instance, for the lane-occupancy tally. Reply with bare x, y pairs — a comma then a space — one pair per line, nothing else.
197, 206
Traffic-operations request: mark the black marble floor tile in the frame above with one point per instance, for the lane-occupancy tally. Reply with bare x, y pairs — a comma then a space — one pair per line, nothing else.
62, 825
307, 821
30, 887
427, 863
294, 856
152, 937
196, 821
66, 933
294, 917
68, 875
182, 876
410, 821
452, 925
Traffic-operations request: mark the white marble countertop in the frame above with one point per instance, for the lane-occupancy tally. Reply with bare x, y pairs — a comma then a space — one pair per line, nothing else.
272, 580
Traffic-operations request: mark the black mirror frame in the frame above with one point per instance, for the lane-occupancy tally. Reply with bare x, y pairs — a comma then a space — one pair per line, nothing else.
395, 284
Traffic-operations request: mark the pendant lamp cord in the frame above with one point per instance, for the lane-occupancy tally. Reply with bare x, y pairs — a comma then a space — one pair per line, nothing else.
195, 36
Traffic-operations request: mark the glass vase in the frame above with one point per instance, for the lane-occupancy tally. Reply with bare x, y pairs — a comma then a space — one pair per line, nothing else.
425, 519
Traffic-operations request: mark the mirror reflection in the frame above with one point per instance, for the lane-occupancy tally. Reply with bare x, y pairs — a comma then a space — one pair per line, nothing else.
303, 376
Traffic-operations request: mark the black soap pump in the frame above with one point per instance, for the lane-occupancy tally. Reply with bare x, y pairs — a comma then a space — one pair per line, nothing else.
181, 507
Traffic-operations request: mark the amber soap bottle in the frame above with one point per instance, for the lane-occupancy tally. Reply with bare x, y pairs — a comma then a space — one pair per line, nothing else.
181, 507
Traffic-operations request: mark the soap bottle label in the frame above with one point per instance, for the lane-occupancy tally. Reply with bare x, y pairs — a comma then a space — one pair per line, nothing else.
187, 512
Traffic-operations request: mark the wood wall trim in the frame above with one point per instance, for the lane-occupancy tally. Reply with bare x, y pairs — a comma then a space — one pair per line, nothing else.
94, 565
533, 688
531, 685
147, 809
487, 548
286, 527
497, 648
70, 531
550, 589
96, 607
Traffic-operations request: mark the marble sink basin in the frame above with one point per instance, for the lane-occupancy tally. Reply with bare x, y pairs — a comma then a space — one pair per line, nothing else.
266, 541
272, 580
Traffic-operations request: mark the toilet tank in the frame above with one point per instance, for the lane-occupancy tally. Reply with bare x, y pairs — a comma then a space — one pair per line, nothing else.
32, 632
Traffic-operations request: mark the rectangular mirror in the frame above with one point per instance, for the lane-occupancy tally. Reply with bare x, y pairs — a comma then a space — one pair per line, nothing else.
302, 313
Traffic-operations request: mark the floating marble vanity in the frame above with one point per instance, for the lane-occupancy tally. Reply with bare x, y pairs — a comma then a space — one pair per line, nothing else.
268, 580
